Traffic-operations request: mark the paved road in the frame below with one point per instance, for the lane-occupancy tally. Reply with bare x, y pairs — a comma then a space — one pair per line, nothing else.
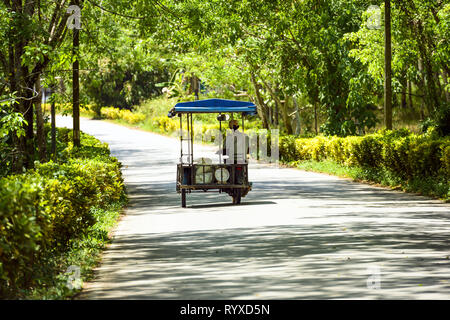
297, 235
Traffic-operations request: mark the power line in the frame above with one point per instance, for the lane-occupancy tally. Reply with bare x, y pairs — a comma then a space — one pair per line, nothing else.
157, 7
115, 13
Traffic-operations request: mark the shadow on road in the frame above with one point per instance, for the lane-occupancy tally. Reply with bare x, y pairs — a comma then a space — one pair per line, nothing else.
343, 193
247, 203
276, 262
296, 235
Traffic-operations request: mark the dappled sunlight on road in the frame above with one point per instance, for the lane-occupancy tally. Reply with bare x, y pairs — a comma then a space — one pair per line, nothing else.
280, 262
296, 235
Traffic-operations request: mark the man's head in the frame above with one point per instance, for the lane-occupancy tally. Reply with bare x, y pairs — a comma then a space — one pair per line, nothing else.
233, 124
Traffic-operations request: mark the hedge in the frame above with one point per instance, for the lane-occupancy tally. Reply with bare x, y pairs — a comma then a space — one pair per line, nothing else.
405, 154
123, 114
44, 208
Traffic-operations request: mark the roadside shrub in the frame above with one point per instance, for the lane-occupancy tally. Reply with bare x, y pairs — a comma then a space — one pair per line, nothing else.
349, 148
424, 156
368, 151
131, 117
24, 229
335, 149
123, 114
44, 208
287, 148
110, 113
166, 124
317, 148
395, 155
443, 120
401, 152
445, 159
302, 150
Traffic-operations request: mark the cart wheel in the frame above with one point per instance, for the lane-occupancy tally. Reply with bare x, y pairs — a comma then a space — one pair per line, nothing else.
237, 196
183, 198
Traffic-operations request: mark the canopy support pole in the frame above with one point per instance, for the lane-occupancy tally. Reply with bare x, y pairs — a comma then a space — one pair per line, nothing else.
192, 142
181, 137
188, 138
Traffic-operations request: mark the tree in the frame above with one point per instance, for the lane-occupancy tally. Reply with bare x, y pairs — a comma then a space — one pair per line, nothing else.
32, 33
34, 46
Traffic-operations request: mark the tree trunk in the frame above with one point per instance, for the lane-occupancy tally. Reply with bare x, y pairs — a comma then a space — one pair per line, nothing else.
24, 87
261, 106
40, 134
316, 129
404, 83
439, 87
422, 85
20, 78
270, 116
27, 111
275, 98
444, 77
409, 85
276, 113
297, 117
194, 87
19, 143
430, 90
285, 114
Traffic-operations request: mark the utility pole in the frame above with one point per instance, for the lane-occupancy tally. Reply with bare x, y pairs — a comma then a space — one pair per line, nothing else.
387, 66
74, 23
76, 89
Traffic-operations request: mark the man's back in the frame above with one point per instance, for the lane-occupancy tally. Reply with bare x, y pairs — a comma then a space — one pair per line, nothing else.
236, 146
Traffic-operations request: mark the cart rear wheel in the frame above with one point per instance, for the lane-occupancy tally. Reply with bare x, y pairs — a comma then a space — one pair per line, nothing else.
183, 198
237, 196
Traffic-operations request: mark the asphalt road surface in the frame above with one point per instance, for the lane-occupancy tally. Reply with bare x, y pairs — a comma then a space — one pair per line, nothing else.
296, 235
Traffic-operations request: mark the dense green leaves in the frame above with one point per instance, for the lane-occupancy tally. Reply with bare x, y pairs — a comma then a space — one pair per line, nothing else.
294, 59
407, 156
43, 210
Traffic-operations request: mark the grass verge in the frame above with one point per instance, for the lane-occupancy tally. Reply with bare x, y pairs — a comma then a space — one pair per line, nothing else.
435, 187
83, 253
57, 218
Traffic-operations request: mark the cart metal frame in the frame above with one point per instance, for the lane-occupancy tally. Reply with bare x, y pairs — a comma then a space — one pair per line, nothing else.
237, 185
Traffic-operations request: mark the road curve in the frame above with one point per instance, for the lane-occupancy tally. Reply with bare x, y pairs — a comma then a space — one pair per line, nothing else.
297, 235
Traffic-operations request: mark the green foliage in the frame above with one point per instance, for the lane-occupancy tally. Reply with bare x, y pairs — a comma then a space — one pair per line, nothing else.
43, 210
446, 157
164, 124
432, 186
125, 76
10, 121
405, 155
23, 229
443, 120
11, 127
122, 114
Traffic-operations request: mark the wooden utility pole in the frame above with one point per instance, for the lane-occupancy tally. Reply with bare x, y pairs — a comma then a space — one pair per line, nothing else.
387, 66
74, 24
76, 89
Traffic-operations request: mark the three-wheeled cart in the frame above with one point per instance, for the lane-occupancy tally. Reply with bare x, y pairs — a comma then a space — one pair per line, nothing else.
226, 176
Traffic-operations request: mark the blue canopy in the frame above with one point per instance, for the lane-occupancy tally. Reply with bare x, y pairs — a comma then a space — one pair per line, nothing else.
213, 106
